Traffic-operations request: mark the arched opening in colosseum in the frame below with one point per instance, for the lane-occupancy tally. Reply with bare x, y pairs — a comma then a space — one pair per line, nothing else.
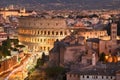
61, 33
48, 48
52, 32
38, 32
40, 40
41, 32
44, 48
56, 33
48, 32
44, 32
44, 40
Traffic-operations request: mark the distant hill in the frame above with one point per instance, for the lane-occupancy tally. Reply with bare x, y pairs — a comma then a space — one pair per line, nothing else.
64, 4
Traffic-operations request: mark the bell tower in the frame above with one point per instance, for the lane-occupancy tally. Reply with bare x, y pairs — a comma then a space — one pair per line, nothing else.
113, 36
113, 31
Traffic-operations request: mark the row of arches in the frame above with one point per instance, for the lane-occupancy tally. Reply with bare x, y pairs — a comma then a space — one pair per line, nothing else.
93, 34
39, 48
41, 24
42, 48
40, 40
45, 32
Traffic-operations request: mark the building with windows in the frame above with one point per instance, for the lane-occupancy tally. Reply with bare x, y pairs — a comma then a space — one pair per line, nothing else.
91, 33
16, 12
90, 75
40, 34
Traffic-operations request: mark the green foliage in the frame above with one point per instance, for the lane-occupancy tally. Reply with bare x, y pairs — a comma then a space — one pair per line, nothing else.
54, 71
6, 46
40, 62
21, 46
102, 57
5, 51
43, 56
7, 43
15, 41
31, 70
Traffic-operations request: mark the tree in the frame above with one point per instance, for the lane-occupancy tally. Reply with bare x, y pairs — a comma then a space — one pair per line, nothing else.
8, 43
15, 41
6, 47
43, 56
108, 28
102, 57
54, 72
5, 51
40, 62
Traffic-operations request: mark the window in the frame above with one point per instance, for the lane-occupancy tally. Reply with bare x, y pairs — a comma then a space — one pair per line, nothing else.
109, 51
74, 75
52, 32
78, 75
106, 77
87, 76
61, 33
44, 48
56, 24
44, 40
40, 23
48, 24
41, 32
56, 33
83, 76
114, 32
40, 40
41, 48
96, 77
95, 33
38, 32
48, 48
44, 32
48, 32
102, 77
111, 77
65, 33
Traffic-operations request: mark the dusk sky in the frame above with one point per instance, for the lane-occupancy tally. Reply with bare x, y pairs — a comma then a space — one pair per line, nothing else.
63, 4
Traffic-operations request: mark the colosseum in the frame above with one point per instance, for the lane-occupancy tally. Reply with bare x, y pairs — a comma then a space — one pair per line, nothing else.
39, 34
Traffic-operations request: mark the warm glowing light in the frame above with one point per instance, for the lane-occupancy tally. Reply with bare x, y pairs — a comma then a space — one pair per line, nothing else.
118, 58
110, 59
106, 57
19, 43
72, 30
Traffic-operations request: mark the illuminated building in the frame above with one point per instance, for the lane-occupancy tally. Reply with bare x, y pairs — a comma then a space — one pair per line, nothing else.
90, 75
89, 33
13, 12
39, 34
108, 46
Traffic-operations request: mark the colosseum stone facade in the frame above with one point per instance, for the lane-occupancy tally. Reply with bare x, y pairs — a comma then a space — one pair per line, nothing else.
39, 34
